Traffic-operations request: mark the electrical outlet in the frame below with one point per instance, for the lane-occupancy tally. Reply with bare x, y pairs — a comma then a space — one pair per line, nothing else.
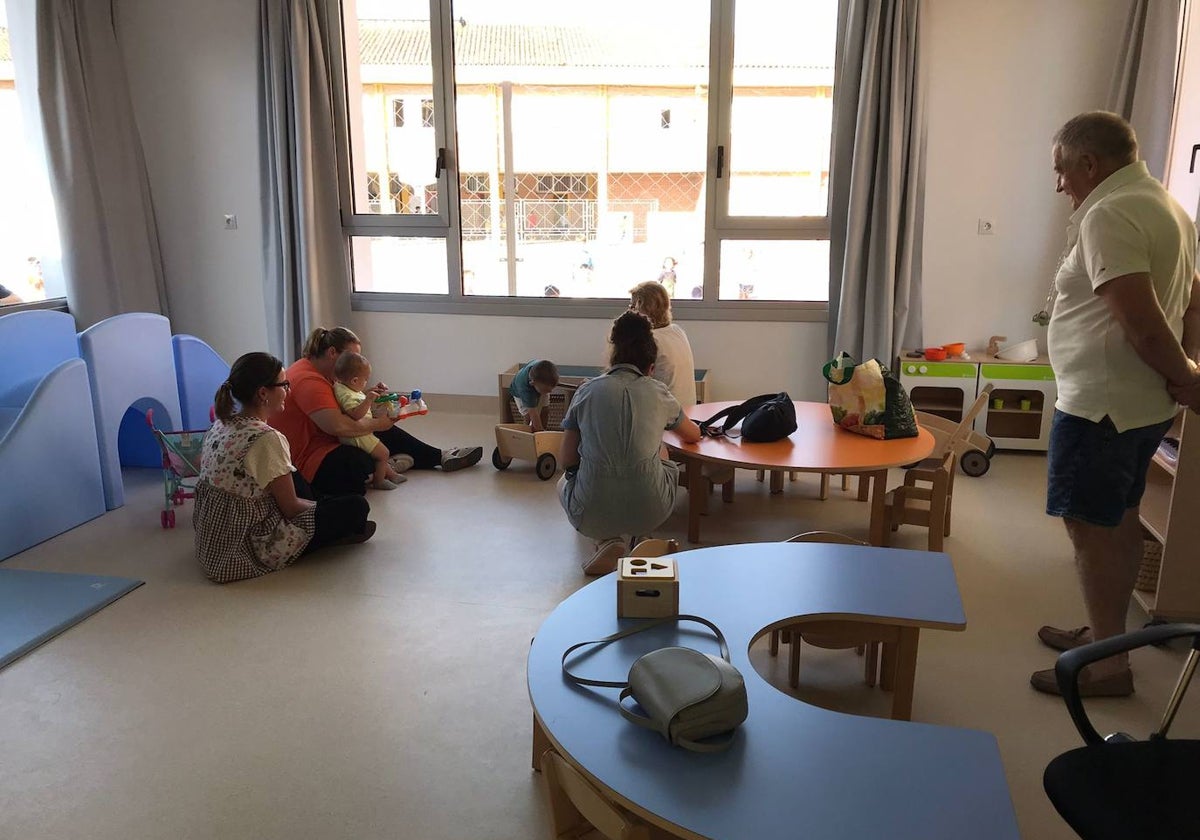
986, 227
231, 221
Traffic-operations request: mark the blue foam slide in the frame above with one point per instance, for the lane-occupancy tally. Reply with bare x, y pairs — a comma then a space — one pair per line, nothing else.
37, 606
48, 450
200, 370
129, 361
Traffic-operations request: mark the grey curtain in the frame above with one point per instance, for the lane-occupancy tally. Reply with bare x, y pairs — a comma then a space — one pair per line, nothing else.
307, 282
111, 260
1143, 85
877, 180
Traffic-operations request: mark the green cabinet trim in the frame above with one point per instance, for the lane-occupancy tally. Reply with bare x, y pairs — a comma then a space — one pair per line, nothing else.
948, 370
1028, 373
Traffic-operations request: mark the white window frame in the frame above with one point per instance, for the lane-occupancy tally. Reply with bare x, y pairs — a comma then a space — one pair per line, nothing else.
446, 223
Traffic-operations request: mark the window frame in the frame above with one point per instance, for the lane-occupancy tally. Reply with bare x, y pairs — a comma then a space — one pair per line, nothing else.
446, 224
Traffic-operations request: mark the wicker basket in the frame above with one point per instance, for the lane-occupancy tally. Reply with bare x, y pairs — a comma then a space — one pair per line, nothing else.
557, 403
1147, 579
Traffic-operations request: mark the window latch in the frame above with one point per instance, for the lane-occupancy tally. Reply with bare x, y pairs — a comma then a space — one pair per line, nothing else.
441, 163
720, 161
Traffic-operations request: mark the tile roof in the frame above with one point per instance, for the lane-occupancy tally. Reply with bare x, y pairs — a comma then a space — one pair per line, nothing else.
406, 43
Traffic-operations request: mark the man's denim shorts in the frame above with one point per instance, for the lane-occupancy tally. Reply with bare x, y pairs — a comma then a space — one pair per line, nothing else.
1097, 473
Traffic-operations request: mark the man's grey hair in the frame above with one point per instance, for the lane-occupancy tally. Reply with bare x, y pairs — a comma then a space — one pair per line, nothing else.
1101, 133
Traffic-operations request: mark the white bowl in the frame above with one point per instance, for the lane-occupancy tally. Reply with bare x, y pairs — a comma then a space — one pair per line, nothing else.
1022, 351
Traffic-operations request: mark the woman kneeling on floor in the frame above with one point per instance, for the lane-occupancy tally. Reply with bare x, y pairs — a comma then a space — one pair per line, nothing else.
254, 514
618, 482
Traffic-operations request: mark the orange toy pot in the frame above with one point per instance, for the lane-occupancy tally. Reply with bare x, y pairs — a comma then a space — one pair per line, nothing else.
935, 354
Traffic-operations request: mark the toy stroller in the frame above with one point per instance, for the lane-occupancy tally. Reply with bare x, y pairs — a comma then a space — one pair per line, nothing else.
180, 460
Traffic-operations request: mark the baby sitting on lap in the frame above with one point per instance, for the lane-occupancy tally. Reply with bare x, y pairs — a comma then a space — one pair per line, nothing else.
351, 372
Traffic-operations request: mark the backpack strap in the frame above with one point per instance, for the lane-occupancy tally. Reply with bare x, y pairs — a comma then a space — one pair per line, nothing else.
733, 415
629, 631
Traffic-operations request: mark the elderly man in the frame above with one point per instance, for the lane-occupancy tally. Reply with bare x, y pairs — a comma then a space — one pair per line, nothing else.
1125, 327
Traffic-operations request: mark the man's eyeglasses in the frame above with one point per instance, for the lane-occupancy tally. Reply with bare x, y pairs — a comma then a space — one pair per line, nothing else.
285, 385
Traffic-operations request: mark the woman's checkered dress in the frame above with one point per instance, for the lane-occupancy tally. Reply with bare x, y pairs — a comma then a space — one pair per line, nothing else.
240, 530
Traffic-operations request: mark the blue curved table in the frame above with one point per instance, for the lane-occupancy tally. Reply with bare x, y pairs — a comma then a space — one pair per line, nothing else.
795, 770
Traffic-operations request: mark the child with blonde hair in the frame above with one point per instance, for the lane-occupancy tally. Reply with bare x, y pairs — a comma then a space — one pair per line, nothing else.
351, 373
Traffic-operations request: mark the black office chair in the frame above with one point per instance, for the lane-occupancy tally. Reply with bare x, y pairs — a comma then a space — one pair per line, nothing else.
1118, 787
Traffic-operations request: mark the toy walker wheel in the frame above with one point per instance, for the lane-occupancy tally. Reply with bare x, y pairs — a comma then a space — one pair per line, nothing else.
162, 518
170, 519
499, 461
547, 466
974, 463
178, 497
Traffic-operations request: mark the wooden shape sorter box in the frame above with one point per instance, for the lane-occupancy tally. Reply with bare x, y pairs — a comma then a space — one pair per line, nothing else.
647, 587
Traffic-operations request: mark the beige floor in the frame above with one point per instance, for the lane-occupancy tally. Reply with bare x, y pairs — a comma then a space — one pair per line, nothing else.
378, 691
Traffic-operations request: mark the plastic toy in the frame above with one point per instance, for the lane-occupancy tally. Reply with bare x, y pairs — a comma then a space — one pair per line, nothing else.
401, 406
516, 441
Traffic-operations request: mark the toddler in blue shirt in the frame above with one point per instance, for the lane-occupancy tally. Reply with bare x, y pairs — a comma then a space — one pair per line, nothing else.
530, 387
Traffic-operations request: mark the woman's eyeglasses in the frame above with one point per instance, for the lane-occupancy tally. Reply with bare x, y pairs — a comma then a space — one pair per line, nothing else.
285, 385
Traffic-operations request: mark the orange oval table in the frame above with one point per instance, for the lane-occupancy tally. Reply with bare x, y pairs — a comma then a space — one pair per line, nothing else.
816, 446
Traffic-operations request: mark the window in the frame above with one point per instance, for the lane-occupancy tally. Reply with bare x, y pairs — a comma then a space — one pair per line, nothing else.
398, 112
545, 141
30, 257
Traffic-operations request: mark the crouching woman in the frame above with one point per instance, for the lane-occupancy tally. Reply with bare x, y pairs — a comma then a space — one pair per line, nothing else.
618, 484
249, 518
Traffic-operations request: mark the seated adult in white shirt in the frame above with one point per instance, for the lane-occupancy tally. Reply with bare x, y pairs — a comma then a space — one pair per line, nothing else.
674, 366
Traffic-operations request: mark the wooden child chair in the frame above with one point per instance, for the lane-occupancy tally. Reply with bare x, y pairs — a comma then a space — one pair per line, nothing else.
865, 638
926, 497
579, 810
652, 547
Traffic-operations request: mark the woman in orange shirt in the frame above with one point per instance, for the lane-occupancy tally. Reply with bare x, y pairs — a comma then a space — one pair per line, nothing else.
312, 421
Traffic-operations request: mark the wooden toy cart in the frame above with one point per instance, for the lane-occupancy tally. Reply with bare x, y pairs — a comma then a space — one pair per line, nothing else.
974, 450
515, 441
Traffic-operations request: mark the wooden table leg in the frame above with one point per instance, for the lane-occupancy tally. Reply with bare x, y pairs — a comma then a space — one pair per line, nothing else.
878, 482
863, 480
776, 482
540, 744
906, 673
697, 498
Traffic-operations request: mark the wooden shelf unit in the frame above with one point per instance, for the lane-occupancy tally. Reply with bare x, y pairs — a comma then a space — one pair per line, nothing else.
1169, 514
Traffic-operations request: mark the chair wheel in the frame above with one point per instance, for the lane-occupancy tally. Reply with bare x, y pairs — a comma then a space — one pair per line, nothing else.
547, 465
974, 463
498, 461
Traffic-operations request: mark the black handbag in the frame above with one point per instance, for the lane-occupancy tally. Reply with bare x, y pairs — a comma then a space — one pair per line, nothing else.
764, 419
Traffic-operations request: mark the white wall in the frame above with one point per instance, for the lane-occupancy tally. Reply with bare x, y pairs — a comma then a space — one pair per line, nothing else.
453, 354
193, 70
1003, 77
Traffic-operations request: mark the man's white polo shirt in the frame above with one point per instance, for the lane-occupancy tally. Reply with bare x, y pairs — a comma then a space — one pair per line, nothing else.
1128, 224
